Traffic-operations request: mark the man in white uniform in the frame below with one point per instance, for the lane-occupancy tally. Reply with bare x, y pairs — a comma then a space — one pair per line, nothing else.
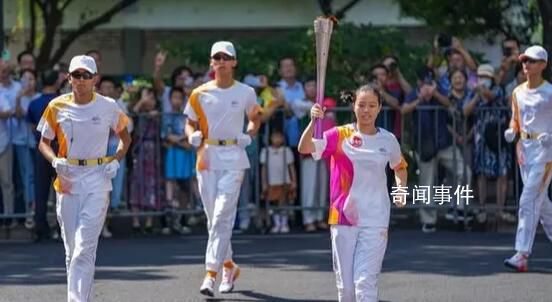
215, 113
80, 121
531, 120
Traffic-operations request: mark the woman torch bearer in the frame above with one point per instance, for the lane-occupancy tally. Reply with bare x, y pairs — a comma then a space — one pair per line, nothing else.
360, 205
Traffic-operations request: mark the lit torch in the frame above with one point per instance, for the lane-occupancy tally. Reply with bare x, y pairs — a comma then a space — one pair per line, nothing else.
323, 27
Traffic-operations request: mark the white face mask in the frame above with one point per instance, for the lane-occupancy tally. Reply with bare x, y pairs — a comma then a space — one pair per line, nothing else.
485, 82
189, 81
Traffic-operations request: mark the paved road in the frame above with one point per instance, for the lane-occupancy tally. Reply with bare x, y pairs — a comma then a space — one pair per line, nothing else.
446, 266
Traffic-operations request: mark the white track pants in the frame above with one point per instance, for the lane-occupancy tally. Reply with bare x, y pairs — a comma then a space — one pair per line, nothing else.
534, 205
357, 257
81, 218
219, 190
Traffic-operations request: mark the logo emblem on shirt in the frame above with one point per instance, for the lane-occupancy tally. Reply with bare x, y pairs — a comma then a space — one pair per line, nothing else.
96, 120
382, 150
356, 141
234, 104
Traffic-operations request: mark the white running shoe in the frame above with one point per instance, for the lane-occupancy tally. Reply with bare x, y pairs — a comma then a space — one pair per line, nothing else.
428, 228
106, 233
507, 217
29, 223
275, 229
284, 229
55, 235
517, 262
229, 276
184, 230
481, 217
207, 287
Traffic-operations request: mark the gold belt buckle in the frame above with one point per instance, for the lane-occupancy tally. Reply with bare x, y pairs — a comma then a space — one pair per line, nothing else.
529, 135
524, 135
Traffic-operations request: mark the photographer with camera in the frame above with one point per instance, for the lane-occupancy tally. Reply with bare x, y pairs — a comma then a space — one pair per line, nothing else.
457, 57
443, 47
397, 86
510, 58
379, 75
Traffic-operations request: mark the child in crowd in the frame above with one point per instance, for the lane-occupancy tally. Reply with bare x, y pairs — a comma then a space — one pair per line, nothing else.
279, 179
179, 159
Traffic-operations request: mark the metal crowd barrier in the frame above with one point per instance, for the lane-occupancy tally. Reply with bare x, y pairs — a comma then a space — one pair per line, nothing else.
408, 138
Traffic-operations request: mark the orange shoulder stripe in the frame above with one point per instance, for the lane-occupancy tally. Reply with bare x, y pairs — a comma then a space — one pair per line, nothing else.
202, 122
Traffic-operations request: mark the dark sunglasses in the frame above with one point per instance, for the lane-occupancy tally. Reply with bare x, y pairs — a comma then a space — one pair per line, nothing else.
530, 61
221, 56
82, 75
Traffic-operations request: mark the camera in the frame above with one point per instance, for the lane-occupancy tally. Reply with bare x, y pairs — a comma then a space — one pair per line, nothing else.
372, 79
428, 80
444, 42
393, 67
428, 77
507, 51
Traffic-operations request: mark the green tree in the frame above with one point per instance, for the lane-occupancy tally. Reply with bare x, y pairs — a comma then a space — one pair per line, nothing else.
46, 18
545, 9
517, 18
522, 19
526, 20
353, 50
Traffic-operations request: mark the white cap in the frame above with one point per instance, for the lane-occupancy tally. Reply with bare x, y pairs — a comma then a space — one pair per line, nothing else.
83, 62
485, 70
224, 47
535, 52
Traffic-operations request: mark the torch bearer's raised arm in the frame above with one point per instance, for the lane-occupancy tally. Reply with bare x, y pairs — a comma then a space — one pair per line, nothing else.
323, 27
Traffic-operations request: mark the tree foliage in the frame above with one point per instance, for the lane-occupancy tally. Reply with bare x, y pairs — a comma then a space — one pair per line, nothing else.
516, 18
45, 20
353, 50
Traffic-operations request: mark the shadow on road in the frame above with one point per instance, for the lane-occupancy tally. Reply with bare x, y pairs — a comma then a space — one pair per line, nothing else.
268, 298
459, 254
144, 259
441, 253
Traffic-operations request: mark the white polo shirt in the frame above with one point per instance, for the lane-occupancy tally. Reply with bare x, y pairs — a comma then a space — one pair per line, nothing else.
82, 132
220, 113
277, 161
358, 183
